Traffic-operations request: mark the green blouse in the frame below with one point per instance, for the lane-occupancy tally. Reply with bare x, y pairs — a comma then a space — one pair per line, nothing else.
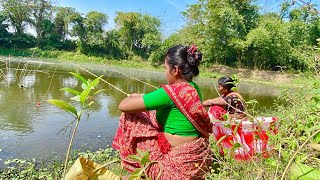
168, 115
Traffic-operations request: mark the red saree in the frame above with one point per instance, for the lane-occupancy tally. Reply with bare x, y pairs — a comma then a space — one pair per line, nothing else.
140, 130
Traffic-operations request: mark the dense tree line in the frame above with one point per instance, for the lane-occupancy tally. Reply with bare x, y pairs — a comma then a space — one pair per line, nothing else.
64, 28
229, 32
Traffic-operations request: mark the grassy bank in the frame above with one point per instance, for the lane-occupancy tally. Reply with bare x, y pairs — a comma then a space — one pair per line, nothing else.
132, 62
280, 79
296, 147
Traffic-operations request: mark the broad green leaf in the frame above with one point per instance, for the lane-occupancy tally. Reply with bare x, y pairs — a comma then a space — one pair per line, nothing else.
84, 95
76, 98
252, 101
304, 172
135, 157
140, 152
72, 91
84, 86
145, 158
228, 125
63, 105
225, 116
236, 145
79, 77
95, 82
234, 89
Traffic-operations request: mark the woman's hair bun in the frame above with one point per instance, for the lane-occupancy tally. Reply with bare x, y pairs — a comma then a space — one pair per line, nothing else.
194, 57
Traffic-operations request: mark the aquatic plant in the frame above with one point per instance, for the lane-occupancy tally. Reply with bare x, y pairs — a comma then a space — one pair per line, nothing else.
83, 98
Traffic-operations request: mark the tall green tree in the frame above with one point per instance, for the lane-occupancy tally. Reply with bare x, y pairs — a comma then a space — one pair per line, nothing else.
3, 25
78, 30
18, 12
139, 32
268, 44
41, 15
112, 44
4, 34
277, 42
62, 20
304, 19
221, 26
94, 22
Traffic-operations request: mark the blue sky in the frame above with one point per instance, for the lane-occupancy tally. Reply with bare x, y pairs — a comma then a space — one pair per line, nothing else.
168, 11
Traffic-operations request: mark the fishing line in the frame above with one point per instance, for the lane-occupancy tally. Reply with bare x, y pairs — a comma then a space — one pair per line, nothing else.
136, 79
15, 74
32, 71
100, 78
38, 103
3, 74
25, 66
104, 71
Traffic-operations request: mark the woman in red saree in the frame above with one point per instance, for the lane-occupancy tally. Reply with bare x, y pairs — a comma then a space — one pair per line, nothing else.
229, 102
176, 133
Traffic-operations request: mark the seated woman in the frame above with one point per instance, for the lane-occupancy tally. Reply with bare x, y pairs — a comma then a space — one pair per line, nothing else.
229, 102
176, 136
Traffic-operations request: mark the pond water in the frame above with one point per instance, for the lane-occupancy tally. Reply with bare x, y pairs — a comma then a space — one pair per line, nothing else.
32, 128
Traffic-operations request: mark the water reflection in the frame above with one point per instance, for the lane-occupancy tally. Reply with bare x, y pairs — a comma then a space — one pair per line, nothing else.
29, 125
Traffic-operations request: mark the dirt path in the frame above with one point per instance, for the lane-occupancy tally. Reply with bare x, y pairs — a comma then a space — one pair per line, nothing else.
277, 77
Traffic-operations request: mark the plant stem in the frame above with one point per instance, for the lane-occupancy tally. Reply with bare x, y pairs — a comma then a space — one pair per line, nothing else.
69, 148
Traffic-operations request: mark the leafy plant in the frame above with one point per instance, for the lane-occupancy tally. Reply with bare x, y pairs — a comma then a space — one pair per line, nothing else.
143, 159
83, 98
251, 106
235, 82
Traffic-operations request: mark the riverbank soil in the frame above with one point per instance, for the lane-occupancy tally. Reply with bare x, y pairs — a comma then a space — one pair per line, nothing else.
278, 77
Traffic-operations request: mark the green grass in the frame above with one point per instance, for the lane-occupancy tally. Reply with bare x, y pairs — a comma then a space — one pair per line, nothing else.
291, 157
